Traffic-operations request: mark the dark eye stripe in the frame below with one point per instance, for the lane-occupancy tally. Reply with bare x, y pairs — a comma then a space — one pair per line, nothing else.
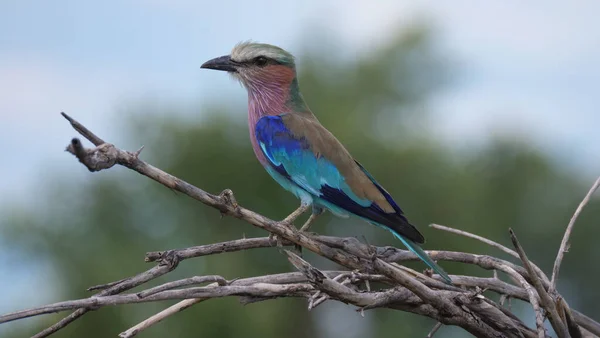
260, 61
254, 61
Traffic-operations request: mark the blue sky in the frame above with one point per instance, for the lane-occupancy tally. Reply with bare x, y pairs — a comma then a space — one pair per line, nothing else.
527, 68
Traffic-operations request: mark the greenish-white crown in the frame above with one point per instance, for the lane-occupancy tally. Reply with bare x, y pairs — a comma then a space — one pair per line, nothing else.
247, 51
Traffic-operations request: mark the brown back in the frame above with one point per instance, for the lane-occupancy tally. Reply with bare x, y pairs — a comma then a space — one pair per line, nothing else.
324, 144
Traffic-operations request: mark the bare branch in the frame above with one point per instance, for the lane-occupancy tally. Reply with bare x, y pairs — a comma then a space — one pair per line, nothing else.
183, 282
462, 304
491, 324
83, 130
293, 277
564, 245
127, 284
533, 298
473, 236
547, 301
169, 264
435, 329
210, 249
105, 286
567, 316
496, 245
420, 289
256, 289
61, 324
171, 310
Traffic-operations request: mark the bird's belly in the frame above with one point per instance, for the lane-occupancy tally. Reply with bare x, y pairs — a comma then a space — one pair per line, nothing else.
332, 208
302, 194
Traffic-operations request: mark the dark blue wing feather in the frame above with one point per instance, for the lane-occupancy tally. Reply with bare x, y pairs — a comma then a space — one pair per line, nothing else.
294, 165
292, 158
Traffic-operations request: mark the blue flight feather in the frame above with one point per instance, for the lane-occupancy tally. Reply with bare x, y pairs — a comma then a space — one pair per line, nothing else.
316, 180
417, 250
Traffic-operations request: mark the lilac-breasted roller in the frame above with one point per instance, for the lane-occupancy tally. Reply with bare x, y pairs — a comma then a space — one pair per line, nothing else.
303, 156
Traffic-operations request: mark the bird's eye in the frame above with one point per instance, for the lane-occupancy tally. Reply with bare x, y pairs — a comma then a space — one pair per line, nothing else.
260, 61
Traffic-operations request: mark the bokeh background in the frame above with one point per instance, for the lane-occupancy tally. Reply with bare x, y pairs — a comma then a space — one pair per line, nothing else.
480, 116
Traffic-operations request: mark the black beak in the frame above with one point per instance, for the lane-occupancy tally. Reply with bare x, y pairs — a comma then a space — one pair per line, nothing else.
221, 63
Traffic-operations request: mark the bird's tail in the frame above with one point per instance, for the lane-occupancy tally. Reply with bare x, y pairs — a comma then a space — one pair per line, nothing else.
417, 250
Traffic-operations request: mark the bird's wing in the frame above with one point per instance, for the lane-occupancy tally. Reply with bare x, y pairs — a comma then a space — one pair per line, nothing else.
307, 154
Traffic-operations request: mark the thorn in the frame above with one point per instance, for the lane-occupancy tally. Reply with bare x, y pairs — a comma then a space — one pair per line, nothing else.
138, 152
434, 330
503, 298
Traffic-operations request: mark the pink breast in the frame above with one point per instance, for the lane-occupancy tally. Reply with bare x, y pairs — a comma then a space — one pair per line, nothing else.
255, 146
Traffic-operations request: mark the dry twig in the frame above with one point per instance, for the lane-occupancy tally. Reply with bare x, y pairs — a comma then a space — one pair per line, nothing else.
496, 245
547, 302
462, 304
171, 310
564, 244
435, 329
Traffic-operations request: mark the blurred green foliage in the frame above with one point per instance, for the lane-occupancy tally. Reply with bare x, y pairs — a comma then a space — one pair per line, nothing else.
99, 231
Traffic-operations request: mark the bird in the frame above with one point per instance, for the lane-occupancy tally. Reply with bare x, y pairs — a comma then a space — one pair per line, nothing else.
302, 155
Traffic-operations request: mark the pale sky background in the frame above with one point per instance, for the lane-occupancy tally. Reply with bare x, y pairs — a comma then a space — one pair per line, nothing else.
528, 68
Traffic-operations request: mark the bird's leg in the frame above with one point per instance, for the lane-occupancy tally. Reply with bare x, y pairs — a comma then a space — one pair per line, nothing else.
288, 221
292, 217
316, 212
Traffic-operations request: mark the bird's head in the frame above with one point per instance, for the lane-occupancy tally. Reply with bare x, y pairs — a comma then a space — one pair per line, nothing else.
256, 65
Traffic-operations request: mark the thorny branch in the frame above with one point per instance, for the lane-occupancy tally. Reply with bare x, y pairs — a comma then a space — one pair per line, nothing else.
462, 304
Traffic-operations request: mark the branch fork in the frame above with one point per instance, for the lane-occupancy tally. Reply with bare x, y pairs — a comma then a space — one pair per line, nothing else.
462, 305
